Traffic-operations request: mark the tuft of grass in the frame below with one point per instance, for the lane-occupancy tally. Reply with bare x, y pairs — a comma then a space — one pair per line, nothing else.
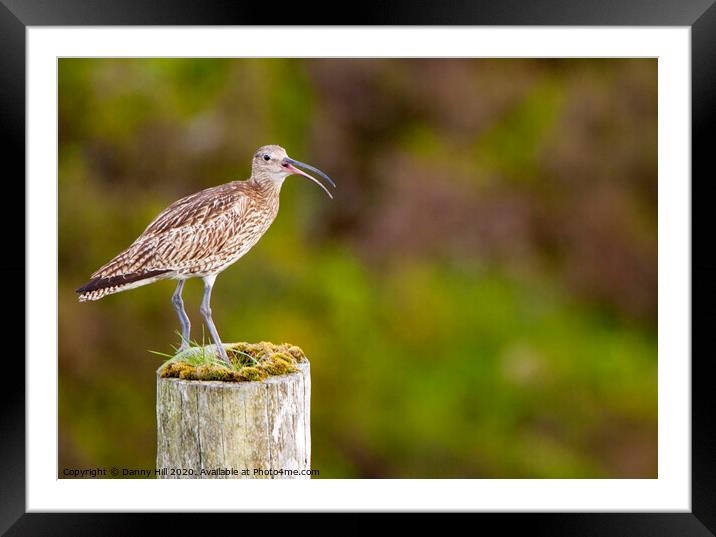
249, 362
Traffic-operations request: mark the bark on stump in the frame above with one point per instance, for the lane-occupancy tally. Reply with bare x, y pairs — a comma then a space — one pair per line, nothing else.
214, 429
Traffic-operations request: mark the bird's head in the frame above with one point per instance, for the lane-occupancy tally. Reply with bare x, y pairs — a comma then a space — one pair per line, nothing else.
272, 162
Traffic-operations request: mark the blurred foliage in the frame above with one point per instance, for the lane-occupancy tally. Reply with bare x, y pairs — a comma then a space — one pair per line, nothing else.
479, 300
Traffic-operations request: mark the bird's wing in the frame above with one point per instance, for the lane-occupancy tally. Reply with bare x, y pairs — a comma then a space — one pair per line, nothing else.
186, 233
195, 209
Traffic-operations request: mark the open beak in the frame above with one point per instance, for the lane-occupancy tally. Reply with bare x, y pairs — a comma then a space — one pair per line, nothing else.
291, 164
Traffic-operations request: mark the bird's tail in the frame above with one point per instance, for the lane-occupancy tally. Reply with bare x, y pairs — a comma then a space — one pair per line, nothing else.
100, 287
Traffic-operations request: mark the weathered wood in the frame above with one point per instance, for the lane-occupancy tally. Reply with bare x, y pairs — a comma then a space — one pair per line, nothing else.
213, 429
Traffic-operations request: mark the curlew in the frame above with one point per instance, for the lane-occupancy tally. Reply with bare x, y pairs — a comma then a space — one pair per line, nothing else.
201, 235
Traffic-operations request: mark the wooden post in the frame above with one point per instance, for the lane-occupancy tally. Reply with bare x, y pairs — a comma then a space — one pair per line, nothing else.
214, 429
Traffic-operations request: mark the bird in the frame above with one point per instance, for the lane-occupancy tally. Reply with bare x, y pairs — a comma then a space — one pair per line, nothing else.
201, 235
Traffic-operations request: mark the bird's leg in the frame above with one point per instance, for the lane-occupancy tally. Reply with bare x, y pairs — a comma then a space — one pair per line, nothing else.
183, 317
206, 313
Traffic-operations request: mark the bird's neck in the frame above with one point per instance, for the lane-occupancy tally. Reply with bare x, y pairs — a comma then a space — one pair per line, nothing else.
267, 184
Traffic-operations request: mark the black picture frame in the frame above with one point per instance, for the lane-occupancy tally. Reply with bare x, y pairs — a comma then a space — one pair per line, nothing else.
699, 15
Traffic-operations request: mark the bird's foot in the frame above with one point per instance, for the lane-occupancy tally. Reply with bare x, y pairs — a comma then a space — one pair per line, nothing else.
221, 351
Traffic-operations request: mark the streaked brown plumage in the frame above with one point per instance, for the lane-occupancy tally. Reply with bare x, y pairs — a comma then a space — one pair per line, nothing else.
195, 236
201, 235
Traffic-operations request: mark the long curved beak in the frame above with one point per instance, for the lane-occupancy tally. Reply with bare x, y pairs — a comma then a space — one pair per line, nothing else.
291, 164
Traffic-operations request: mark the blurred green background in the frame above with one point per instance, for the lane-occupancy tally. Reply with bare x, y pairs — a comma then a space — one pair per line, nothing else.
479, 300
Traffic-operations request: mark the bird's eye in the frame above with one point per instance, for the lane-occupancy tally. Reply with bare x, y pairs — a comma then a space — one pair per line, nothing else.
267, 158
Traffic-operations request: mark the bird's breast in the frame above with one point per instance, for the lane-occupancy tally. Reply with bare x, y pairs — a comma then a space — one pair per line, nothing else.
251, 228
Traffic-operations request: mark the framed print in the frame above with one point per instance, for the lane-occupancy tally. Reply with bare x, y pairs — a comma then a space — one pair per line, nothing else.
476, 295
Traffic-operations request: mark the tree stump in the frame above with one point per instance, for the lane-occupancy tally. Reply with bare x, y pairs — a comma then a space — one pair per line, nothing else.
215, 429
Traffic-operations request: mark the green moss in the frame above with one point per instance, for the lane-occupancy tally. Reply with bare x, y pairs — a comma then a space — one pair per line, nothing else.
249, 362
252, 373
279, 363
